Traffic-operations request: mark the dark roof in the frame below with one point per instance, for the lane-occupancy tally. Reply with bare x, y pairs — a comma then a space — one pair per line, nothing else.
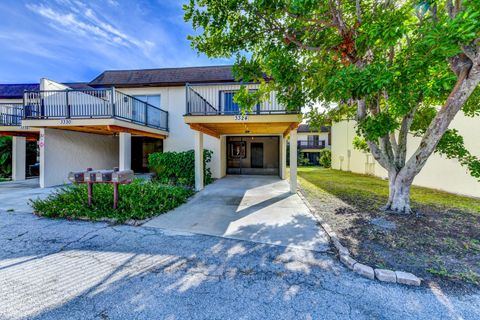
163, 77
15, 91
77, 85
306, 128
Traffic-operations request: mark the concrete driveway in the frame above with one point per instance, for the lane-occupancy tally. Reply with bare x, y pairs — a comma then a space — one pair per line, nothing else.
253, 208
15, 195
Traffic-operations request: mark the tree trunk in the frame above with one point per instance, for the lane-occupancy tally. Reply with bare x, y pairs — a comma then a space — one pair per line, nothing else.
399, 194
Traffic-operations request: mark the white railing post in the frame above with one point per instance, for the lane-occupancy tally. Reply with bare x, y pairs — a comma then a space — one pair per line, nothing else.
112, 101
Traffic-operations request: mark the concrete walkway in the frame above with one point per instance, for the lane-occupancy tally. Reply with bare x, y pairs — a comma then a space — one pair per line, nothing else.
15, 195
253, 208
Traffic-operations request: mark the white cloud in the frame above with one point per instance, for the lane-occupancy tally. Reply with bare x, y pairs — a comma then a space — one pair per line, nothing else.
86, 25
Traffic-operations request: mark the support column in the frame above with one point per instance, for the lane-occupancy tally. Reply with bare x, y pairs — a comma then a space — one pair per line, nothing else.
199, 161
41, 146
283, 158
223, 156
125, 151
19, 158
293, 161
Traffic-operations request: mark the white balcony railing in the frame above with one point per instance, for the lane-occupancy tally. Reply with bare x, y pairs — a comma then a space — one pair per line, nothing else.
92, 104
216, 99
11, 114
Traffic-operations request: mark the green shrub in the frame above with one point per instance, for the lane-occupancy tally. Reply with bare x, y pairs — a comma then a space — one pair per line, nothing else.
138, 200
5, 157
303, 161
325, 158
178, 168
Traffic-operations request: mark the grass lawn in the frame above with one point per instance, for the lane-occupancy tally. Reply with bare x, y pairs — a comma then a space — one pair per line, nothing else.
441, 244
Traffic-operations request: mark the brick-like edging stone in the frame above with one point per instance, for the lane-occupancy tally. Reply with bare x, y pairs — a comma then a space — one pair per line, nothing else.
384, 275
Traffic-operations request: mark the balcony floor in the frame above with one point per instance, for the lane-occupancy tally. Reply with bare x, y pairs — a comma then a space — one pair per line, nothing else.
106, 126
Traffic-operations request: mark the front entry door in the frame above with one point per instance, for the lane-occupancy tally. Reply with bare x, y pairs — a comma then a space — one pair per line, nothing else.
256, 155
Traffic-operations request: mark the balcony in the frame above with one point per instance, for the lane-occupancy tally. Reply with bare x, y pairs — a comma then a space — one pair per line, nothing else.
217, 99
11, 114
72, 104
211, 109
302, 145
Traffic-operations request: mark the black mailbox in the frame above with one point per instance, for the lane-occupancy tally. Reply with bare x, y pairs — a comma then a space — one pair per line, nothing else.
90, 176
123, 177
77, 177
104, 176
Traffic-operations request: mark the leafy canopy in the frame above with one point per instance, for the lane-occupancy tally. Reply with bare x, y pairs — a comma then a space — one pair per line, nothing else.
393, 54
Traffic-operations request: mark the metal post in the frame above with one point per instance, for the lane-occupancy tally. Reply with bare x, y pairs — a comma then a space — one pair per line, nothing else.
42, 106
112, 102
115, 195
89, 189
90, 193
187, 100
68, 105
23, 108
146, 114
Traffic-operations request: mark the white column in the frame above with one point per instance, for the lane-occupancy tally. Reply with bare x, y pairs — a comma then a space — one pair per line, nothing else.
198, 161
19, 158
223, 156
293, 161
283, 157
41, 146
125, 151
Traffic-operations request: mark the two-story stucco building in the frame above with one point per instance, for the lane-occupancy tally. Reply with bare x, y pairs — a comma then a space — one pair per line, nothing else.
121, 116
311, 141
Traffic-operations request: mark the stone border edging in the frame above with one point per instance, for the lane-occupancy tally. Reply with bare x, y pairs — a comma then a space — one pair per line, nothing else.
366, 271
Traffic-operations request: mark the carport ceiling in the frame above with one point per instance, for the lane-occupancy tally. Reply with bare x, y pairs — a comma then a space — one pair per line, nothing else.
109, 130
218, 129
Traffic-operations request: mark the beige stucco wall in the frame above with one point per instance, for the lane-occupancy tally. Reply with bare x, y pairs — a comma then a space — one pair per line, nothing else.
62, 151
439, 173
181, 138
103, 153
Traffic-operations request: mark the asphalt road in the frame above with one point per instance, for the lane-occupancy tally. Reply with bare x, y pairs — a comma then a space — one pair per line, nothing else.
57, 269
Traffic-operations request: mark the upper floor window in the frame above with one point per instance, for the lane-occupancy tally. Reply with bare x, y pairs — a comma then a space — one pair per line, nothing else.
231, 107
153, 99
313, 139
142, 113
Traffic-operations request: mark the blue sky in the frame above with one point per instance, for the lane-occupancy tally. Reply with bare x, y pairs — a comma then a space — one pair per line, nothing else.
75, 40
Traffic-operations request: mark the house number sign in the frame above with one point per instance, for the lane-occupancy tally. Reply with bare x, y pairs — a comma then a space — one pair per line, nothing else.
240, 117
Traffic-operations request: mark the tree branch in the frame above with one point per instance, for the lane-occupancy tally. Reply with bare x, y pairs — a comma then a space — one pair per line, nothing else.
468, 79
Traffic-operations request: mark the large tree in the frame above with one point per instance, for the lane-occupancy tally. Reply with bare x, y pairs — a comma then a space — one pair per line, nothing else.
398, 67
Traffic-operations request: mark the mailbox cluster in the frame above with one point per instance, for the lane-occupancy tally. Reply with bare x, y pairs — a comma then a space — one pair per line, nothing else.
90, 177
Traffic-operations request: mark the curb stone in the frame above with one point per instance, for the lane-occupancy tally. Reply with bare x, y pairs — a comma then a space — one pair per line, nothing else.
111, 221
383, 275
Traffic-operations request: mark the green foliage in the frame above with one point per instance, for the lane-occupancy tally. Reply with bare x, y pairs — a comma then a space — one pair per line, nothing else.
472, 107
375, 126
5, 157
303, 161
360, 144
139, 200
178, 168
452, 146
325, 158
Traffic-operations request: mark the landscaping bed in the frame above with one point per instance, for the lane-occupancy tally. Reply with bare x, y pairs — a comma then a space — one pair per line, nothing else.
440, 244
138, 201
